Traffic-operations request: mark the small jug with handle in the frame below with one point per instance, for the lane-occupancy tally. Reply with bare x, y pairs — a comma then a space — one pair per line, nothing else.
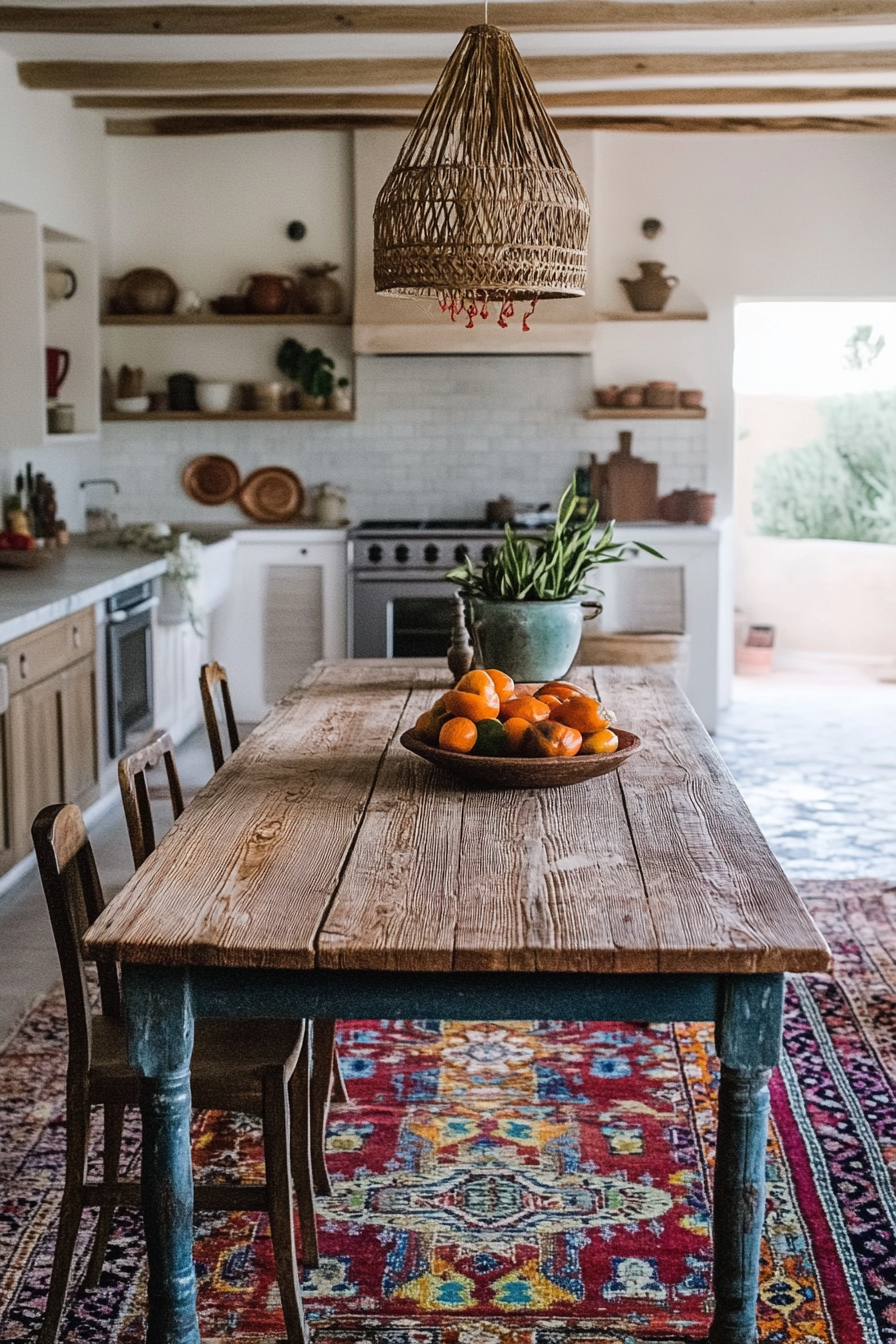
270, 293
650, 292
57, 367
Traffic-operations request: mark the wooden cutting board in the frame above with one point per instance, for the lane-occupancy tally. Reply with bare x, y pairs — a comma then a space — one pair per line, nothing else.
626, 486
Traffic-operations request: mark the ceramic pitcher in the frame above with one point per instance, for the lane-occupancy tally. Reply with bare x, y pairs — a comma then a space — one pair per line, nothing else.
650, 292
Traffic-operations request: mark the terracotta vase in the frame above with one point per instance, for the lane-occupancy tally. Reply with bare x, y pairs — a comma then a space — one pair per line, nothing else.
270, 294
650, 292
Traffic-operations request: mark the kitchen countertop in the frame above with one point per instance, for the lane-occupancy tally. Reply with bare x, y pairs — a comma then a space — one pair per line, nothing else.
75, 578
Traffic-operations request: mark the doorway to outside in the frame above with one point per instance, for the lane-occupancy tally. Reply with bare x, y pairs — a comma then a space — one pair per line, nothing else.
812, 739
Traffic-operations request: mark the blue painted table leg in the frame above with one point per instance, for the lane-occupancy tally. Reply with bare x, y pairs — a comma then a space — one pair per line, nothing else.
159, 1012
748, 1042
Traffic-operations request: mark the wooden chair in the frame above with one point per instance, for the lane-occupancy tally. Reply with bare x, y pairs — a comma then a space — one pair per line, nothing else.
327, 1083
212, 675
136, 795
252, 1066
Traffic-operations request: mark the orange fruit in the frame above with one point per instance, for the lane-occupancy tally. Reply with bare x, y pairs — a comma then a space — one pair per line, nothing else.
516, 730
458, 735
467, 705
525, 707
602, 743
551, 739
582, 712
549, 700
480, 683
563, 690
502, 683
428, 725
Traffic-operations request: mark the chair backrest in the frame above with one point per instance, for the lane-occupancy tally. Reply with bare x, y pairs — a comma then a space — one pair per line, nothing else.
75, 900
212, 675
135, 792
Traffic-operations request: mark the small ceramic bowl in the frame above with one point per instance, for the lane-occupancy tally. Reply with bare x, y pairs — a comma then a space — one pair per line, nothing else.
690, 397
131, 405
607, 396
631, 396
214, 397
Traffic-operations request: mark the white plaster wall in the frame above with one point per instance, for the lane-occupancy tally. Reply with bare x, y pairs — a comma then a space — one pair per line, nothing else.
212, 209
52, 162
745, 216
51, 158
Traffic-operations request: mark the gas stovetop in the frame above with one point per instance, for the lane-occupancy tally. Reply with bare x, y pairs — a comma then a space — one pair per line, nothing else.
422, 545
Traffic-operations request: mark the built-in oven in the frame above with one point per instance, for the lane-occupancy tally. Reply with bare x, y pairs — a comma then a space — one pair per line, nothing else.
129, 664
401, 605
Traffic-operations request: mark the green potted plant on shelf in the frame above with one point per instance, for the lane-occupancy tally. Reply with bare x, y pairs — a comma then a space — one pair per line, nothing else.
525, 604
311, 370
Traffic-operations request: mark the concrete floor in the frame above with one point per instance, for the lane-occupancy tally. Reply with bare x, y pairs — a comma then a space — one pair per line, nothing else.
814, 756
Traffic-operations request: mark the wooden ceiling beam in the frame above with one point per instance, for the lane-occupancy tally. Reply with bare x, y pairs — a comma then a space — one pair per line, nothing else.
526, 16
201, 76
234, 125
324, 103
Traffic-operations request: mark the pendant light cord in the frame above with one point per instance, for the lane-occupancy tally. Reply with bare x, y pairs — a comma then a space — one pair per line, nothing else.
486, 12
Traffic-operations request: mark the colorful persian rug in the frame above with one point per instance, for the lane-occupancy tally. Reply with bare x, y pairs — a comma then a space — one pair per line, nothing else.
521, 1182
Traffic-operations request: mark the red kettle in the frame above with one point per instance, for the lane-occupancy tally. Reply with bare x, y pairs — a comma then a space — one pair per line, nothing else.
57, 367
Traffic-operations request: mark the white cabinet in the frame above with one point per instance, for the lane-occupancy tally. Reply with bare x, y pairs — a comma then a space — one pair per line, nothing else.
28, 325
178, 653
286, 609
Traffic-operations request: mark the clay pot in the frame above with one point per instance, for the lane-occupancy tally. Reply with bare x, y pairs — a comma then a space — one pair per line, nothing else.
270, 293
661, 396
650, 292
632, 397
607, 396
317, 291
146, 291
691, 398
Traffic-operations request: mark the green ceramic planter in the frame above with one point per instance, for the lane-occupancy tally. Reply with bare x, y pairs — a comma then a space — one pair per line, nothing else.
530, 641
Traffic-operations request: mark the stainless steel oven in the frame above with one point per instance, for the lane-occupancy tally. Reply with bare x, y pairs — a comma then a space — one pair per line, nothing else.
129, 664
401, 605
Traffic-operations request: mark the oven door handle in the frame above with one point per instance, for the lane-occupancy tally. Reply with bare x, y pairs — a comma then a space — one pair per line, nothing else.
117, 617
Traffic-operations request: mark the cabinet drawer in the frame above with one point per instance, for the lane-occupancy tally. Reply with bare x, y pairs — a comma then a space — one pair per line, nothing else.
38, 655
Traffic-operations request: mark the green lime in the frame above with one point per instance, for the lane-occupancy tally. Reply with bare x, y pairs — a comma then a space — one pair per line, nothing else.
491, 738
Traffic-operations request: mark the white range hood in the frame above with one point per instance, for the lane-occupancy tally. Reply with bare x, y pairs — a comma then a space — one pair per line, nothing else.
393, 326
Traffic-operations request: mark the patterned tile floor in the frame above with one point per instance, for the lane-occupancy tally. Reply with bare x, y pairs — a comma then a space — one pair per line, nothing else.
815, 758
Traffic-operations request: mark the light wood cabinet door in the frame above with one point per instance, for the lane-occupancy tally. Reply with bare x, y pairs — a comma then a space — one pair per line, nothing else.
6, 857
36, 776
80, 766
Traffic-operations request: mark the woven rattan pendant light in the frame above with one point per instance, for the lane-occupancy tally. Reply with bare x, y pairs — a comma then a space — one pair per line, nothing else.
483, 208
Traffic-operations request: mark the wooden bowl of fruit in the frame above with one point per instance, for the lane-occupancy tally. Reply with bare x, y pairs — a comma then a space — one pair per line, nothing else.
491, 732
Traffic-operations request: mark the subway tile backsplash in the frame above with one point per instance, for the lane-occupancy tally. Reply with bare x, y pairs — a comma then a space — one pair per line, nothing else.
435, 436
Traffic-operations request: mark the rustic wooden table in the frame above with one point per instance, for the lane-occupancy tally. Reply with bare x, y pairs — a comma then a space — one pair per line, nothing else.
327, 872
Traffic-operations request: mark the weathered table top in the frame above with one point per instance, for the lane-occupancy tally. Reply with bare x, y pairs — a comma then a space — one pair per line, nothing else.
323, 843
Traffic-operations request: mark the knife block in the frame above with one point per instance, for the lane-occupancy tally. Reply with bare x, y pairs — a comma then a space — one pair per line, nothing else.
626, 486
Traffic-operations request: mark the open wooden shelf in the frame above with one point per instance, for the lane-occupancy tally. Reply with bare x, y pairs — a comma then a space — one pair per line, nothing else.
645, 413
665, 316
228, 415
224, 320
